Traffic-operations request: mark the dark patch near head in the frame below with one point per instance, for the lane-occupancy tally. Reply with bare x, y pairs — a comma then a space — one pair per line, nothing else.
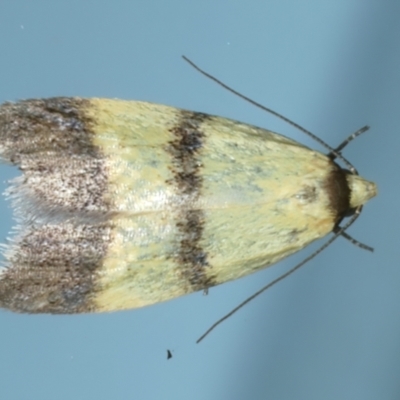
308, 194
52, 269
338, 191
185, 150
35, 126
293, 235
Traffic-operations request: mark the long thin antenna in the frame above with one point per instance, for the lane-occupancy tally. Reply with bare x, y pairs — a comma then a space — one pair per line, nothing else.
350, 138
283, 276
333, 153
354, 241
269, 110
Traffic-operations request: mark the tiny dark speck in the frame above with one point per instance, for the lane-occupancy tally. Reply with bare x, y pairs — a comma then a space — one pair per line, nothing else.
169, 354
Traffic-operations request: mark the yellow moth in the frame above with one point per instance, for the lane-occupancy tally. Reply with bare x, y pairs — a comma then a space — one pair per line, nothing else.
124, 204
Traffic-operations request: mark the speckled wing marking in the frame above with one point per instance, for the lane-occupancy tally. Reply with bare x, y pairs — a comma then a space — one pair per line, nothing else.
185, 150
124, 204
53, 269
52, 142
52, 260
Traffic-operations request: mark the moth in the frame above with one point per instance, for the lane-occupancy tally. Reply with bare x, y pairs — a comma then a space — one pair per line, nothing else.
123, 204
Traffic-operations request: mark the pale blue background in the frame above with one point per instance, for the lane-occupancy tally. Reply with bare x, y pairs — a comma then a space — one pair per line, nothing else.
332, 330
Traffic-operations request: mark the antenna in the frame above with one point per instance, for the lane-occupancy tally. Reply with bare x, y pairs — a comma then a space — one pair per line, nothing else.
333, 153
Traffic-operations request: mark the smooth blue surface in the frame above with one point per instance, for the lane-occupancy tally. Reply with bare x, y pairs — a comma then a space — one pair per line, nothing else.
332, 330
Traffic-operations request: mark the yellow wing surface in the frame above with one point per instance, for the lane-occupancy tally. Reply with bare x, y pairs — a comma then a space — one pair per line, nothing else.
124, 204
